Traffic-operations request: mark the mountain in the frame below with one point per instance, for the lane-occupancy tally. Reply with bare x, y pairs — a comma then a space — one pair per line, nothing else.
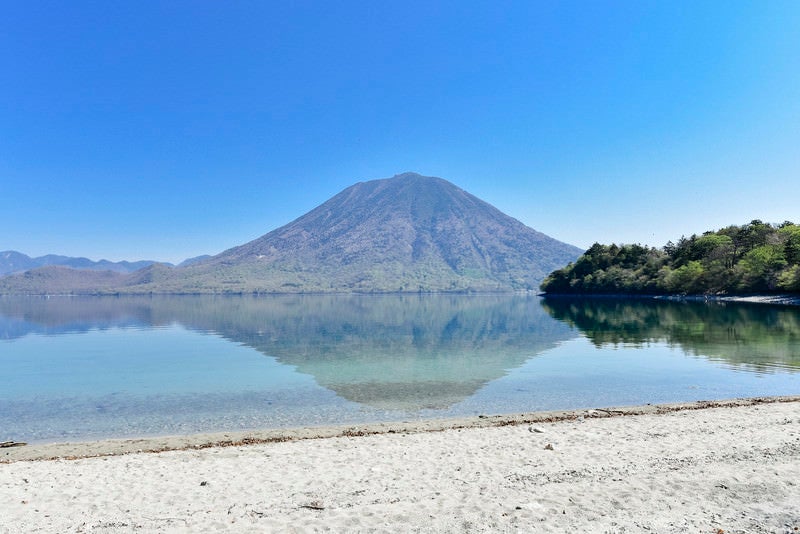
408, 233
58, 280
12, 261
192, 261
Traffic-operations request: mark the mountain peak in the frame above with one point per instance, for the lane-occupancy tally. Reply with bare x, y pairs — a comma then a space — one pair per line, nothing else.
414, 177
409, 178
407, 175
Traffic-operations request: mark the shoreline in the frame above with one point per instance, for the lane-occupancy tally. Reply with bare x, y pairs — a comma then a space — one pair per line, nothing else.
775, 300
158, 444
709, 467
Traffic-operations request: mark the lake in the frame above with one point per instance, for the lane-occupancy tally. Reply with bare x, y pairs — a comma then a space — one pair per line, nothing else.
77, 368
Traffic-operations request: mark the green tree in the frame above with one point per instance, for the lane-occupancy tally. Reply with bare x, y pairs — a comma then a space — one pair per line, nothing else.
789, 279
714, 247
790, 233
685, 279
753, 235
758, 270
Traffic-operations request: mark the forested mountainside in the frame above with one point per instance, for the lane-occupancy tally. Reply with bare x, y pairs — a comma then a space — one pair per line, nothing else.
757, 257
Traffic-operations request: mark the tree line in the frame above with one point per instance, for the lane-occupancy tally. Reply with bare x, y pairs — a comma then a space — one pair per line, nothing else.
757, 257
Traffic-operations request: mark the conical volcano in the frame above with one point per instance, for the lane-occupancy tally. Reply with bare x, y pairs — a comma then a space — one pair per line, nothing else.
406, 233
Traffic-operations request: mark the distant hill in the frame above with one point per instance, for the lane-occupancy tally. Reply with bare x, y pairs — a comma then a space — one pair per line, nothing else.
12, 261
408, 233
56, 280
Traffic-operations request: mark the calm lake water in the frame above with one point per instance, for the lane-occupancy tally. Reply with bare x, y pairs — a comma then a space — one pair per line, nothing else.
86, 368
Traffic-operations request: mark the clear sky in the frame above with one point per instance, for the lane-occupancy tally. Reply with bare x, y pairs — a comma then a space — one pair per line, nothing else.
164, 130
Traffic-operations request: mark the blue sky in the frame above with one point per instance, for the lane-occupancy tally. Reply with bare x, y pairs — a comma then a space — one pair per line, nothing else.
164, 130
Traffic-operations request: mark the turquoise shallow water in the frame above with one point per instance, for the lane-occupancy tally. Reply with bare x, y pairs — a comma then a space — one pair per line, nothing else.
85, 368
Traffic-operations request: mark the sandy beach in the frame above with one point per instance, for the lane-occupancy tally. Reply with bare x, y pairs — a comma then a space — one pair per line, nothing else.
699, 467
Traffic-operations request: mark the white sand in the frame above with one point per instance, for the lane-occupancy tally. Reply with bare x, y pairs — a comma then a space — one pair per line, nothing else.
731, 469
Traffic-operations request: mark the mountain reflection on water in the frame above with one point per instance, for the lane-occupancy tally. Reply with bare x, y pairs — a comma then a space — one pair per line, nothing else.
757, 337
391, 352
406, 352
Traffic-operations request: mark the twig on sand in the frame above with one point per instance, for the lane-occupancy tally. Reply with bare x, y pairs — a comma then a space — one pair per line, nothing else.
4, 444
313, 505
166, 519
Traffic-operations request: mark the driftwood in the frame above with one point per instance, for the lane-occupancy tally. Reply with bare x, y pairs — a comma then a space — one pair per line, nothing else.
4, 444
